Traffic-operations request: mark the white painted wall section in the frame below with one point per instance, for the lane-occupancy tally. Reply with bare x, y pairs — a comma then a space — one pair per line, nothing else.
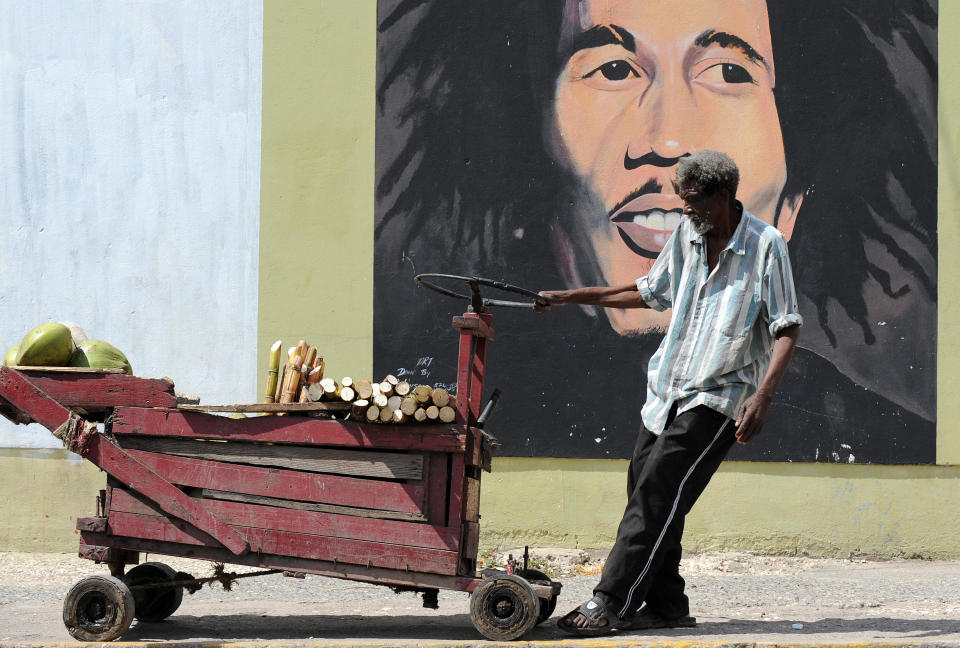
130, 171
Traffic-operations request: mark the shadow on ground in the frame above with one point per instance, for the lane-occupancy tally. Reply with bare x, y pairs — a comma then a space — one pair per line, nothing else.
458, 627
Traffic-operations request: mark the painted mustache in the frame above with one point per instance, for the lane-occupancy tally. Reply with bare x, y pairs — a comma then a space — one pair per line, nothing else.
646, 218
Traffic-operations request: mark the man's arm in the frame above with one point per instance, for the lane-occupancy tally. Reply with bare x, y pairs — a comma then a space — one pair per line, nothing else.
625, 296
753, 414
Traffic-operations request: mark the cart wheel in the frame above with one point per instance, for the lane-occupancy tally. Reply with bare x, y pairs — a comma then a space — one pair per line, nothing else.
154, 603
504, 608
547, 606
98, 608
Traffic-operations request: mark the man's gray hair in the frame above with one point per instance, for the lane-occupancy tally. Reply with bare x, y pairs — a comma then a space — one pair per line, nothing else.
711, 171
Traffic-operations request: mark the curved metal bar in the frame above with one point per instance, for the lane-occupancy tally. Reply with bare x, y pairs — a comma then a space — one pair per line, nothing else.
475, 283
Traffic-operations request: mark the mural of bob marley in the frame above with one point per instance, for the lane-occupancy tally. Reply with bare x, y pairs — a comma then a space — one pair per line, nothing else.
535, 142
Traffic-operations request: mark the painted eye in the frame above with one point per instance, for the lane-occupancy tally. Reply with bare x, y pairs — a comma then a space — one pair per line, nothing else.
726, 73
735, 74
614, 71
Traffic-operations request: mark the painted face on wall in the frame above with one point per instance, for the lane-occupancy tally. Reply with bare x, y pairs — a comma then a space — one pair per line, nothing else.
646, 83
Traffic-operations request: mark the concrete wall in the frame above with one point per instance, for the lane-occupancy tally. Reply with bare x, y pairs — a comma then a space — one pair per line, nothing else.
130, 163
318, 73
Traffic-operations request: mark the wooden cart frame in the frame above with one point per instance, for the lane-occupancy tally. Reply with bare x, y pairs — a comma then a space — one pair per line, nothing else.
384, 504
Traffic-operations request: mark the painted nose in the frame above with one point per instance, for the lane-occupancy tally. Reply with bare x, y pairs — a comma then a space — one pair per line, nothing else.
665, 123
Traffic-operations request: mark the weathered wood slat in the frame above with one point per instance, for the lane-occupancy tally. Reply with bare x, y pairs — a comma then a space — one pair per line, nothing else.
285, 484
108, 554
286, 429
376, 575
31, 399
99, 390
268, 407
363, 463
457, 478
286, 543
210, 494
471, 500
69, 370
318, 523
125, 466
437, 488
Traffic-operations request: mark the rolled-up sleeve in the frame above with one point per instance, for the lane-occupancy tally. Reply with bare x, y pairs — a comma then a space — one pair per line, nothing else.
778, 292
656, 287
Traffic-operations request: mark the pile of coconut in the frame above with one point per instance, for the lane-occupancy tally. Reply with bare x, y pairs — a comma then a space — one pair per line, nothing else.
57, 344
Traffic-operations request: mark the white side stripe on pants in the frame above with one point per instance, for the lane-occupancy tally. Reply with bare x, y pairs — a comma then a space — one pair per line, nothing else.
666, 525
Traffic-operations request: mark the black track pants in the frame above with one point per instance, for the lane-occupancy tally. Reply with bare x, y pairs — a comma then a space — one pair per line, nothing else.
667, 475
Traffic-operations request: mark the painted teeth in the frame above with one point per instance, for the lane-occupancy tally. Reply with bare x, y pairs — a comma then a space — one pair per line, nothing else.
657, 219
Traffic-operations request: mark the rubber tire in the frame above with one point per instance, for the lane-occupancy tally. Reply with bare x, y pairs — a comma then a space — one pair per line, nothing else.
547, 606
504, 608
98, 608
153, 605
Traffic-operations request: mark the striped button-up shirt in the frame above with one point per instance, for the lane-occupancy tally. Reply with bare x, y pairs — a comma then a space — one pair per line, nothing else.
722, 329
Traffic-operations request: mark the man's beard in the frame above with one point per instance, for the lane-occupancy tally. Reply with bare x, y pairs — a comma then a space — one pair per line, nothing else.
701, 224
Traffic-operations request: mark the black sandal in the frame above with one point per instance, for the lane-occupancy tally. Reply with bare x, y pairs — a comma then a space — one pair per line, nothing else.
600, 620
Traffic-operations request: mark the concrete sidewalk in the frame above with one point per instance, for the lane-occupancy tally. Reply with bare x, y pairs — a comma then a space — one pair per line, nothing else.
739, 599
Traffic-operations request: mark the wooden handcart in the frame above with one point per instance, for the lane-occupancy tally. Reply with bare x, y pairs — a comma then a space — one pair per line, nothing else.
297, 494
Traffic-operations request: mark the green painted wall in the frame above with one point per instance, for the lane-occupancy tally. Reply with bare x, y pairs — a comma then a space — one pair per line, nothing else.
316, 233
316, 273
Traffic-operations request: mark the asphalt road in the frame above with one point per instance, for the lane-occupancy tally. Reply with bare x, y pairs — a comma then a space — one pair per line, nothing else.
738, 598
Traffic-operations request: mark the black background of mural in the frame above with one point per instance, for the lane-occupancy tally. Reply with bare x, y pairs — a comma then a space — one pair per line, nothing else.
465, 187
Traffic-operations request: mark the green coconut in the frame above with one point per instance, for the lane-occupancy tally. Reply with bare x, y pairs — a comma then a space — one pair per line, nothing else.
101, 354
48, 345
11, 356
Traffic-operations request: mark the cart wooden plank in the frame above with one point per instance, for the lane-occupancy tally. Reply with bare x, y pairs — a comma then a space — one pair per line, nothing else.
376, 575
268, 517
286, 429
123, 466
437, 491
457, 474
286, 543
362, 463
286, 484
268, 407
69, 370
99, 390
34, 401
210, 494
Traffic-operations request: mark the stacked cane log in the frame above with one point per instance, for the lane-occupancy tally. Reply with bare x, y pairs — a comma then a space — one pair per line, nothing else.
388, 401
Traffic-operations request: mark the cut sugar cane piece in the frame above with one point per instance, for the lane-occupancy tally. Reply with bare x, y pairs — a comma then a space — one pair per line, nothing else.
386, 389
363, 388
346, 394
346, 381
380, 400
440, 397
402, 388
314, 392
359, 410
399, 417
448, 414
289, 392
408, 405
433, 413
420, 415
422, 393
386, 415
390, 378
373, 414
273, 373
394, 402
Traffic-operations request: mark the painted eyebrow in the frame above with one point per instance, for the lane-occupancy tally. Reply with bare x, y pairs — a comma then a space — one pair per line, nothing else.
600, 35
723, 39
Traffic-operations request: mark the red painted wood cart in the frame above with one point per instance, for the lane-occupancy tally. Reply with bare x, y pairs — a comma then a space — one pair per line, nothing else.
386, 504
